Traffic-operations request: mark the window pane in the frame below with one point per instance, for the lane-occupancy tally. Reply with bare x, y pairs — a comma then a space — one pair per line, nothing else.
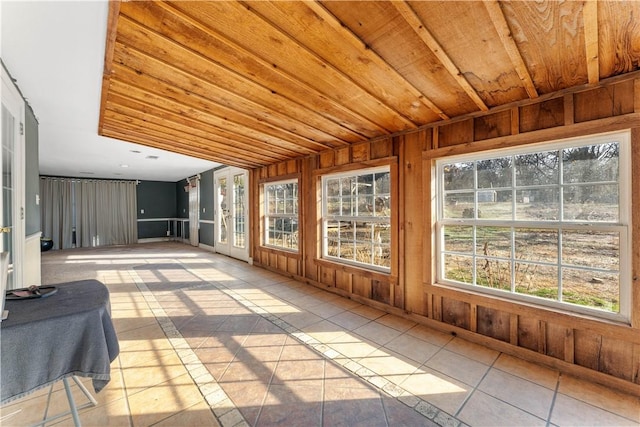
494, 173
365, 205
537, 280
493, 241
493, 273
383, 183
591, 203
365, 184
594, 163
459, 176
383, 206
346, 208
597, 249
537, 168
347, 186
459, 205
458, 239
333, 187
542, 204
333, 205
458, 268
595, 290
495, 204
539, 245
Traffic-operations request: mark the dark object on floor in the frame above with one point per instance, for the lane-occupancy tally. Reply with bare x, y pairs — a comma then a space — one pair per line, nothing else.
45, 244
31, 292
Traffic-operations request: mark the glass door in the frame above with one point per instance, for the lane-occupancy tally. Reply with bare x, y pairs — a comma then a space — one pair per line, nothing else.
231, 201
11, 203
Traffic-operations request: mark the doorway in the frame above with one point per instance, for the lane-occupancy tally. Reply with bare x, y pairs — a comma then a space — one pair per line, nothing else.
231, 201
12, 203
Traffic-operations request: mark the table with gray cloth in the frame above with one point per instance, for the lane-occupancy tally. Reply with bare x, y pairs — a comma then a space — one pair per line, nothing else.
47, 339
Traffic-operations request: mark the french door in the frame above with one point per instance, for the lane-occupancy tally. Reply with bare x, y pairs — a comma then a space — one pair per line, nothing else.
231, 201
12, 203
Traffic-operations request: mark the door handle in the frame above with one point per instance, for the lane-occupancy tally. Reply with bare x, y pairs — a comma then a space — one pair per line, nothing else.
5, 229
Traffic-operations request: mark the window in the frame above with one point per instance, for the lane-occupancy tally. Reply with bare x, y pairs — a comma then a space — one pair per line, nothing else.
281, 214
356, 218
548, 224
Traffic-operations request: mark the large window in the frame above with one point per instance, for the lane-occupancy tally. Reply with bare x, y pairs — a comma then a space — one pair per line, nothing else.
356, 213
281, 214
548, 223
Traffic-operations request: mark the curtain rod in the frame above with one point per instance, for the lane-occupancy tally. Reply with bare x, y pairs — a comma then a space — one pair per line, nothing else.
62, 178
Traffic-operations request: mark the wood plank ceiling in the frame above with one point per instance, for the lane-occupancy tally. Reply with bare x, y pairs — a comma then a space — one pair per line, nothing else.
254, 83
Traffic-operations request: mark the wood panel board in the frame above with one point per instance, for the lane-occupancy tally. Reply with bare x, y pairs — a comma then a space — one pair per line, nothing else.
379, 25
480, 56
550, 36
321, 33
283, 51
189, 32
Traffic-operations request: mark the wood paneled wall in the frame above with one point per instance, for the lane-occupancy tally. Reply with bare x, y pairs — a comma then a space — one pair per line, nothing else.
603, 351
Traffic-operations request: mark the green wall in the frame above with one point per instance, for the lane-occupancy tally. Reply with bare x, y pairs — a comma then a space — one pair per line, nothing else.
158, 200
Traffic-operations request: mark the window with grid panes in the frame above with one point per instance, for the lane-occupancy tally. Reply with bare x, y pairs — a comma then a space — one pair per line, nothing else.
281, 214
547, 223
356, 218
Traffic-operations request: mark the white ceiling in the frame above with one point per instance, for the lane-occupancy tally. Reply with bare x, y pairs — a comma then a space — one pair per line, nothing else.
55, 52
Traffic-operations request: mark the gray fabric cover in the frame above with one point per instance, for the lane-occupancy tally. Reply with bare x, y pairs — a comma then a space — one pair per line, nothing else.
47, 339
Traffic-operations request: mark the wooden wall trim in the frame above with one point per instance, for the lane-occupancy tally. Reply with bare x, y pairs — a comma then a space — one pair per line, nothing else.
355, 166
635, 227
609, 124
562, 318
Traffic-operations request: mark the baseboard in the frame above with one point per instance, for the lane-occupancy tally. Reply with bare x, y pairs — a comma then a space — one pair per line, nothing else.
155, 239
206, 247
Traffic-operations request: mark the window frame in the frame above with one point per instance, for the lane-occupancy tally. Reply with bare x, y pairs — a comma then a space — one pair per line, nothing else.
622, 226
292, 216
325, 217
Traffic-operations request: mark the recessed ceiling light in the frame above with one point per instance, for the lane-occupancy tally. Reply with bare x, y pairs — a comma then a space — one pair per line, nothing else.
124, 166
152, 157
88, 173
117, 173
135, 151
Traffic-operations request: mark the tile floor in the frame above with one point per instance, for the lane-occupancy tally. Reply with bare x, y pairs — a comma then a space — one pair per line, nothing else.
207, 340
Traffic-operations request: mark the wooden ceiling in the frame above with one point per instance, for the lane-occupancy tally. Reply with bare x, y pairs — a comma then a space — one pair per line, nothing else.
255, 83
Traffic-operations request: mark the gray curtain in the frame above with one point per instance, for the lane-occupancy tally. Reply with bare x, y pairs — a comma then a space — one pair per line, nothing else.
103, 212
57, 213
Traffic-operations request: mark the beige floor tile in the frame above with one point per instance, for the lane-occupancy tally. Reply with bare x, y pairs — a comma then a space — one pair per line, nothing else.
114, 414
396, 322
538, 374
438, 389
430, 335
368, 312
197, 415
349, 320
326, 310
457, 366
518, 392
568, 411
474, 351
324, 331
152, 372
413, 348
377, 332
601, 396
353, 346
388, 363
163, 400
301, 319
484, 410
150, 337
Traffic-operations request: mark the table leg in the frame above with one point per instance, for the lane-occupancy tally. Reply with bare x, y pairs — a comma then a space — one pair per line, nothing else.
72, 403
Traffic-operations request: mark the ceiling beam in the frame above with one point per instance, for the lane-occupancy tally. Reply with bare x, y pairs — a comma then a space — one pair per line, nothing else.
421, 30
110, 46
590, 22
504, 32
